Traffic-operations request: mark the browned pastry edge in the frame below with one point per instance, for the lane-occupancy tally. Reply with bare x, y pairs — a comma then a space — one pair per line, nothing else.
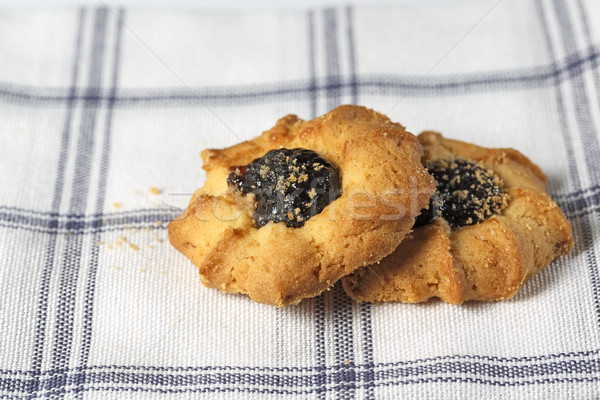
278, 265
488, 261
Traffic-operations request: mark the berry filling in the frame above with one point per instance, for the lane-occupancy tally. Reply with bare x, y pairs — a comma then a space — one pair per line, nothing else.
466, 193
289, 185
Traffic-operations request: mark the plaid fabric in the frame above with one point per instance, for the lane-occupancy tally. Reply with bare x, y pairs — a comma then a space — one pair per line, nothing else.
100, 105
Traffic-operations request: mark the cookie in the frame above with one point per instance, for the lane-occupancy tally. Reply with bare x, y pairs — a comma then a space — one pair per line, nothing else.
490, 227
283, 216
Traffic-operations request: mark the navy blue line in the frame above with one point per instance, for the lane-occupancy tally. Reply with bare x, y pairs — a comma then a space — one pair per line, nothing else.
344, 344
90, 288
591, 148
319, 303
572, 166
332, 62
390, 85
312, 68
586, 29
367, 345
149, 222
44, 290
310, 391
342, 316
80, 233
561, 198
577, 193
78, 227
379, 366
581, 102
69, 273
80, 224
366, 332
44, 215
320, 349
342, 321
499, 375
351, 54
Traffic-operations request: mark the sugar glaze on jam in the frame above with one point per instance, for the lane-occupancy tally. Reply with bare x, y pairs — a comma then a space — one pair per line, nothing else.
289, 185
466, 193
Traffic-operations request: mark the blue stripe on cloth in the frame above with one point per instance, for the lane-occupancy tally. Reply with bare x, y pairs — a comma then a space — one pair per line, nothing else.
92, 225
500, 375
90, 287
333, 92
490, 360
591, 149
588, 36
581, 203
62, 343
342, 316
297, 392
581, 102
376, 374
44, 215
366, 333
343, 331
367, 346
384, 85
44, 289
16, 212
582, 225
312, 67
320, 349
351, 54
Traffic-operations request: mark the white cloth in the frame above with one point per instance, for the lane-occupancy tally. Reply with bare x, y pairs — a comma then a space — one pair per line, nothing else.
98, 106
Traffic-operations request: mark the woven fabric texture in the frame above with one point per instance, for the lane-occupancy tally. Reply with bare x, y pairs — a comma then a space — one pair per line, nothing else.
99, 106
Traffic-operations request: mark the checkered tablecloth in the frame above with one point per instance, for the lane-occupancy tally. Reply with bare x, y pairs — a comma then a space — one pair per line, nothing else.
103, 112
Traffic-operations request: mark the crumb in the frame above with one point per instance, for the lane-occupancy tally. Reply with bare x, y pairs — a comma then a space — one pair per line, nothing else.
117, 205
133, 246
154, 191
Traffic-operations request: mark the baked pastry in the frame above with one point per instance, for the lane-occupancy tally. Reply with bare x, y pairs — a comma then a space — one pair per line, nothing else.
491, 226
283, 216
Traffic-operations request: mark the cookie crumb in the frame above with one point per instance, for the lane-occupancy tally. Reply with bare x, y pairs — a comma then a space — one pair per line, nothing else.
154, 191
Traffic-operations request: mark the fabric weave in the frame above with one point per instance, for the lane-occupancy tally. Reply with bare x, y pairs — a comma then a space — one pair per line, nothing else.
99, 106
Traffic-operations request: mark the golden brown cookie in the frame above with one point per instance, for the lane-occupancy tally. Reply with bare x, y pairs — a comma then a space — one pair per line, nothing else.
383, 187
488, 252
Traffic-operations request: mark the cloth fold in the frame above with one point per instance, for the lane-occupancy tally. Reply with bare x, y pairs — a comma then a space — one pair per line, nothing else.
104, 111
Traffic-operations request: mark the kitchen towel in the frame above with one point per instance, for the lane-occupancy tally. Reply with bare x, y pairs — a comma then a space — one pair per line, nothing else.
103, 112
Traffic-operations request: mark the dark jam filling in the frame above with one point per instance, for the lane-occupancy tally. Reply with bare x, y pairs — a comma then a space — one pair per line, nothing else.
289, 185
466, 194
